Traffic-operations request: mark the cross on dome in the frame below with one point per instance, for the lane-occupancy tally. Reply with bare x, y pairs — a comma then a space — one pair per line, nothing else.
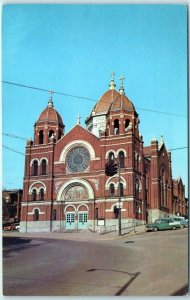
112, 84
50, 102
121, 90
112, 75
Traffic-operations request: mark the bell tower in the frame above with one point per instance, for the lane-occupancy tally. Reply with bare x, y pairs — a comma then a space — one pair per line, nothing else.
49, 125
122, 115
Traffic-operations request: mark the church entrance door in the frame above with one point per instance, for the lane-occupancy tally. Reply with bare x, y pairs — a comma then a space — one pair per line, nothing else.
82, 220
70, 220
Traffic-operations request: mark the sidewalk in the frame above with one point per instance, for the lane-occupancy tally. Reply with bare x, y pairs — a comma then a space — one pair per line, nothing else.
79, 236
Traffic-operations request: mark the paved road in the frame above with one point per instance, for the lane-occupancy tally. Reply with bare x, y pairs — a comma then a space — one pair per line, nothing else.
148, 264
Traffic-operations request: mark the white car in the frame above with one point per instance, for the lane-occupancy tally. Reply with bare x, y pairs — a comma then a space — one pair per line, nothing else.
181, 220
16, 226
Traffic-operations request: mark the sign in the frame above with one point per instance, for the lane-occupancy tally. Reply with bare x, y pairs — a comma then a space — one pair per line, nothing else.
101, 222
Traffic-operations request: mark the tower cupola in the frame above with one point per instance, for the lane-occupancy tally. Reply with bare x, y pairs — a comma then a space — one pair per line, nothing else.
49, 125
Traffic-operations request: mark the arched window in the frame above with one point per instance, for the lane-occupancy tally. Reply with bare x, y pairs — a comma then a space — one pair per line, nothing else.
111, 157
51, 132
163, 187
122, 159
41, 194
43, 167
54, 216
41, 137
137, 187
34, 195
36, 215
96, 213
112, 189
165, 194
138, 212
121, 189
116, 126
127, 122
35, 168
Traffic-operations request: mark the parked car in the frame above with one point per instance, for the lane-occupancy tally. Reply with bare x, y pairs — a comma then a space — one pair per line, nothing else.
14, 226
163, 224
8, 227
182, 221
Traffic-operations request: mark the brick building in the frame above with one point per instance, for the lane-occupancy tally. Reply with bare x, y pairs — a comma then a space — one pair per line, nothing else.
11, 205
65, 186
180, 203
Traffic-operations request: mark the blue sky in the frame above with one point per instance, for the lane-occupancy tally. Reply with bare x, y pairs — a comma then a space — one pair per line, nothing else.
73, 49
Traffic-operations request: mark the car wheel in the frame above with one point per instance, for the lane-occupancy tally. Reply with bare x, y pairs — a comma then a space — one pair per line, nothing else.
173, 227
155, 229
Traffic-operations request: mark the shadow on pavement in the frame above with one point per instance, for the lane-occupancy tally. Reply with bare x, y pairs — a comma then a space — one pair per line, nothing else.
125, 286
129, 242
14, 241
11, 244
184, 291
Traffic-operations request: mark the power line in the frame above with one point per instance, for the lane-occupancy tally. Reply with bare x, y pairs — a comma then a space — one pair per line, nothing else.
44, 90
25, 139
178, 148
13, 150
14, 136
85, 98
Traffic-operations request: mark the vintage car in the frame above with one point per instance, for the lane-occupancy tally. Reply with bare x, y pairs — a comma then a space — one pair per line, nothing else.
183, 222
8, 227
163, 224
14, 226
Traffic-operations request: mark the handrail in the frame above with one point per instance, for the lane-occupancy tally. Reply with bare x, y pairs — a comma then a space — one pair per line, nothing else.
105, 229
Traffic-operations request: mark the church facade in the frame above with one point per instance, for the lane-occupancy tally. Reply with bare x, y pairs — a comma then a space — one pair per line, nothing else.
65, 185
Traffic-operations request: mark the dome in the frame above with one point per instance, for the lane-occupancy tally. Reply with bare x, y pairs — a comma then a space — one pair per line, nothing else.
50, 115
122, 102
105, 101
113, 100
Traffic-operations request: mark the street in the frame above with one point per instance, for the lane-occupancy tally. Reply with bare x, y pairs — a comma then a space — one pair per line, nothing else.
150, 264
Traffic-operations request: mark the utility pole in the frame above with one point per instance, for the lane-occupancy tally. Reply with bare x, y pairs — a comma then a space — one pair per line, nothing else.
119, 216
111, 169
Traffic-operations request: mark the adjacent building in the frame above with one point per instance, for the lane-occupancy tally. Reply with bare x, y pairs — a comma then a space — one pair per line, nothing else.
11, 205
180, 203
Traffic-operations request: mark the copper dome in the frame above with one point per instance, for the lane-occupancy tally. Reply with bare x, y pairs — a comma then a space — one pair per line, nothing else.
122, 102
113, 100
50, 115
105, 101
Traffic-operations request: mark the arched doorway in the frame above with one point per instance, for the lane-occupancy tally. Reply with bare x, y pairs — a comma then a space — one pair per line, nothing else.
76, 194
70, 217
82, 217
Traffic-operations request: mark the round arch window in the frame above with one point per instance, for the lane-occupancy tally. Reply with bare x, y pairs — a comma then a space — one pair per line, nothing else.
77, 159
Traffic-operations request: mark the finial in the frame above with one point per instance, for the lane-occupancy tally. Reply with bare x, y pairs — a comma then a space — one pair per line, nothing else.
121, 90
50, 102
154, 139
112, 84
161, 139
78, 119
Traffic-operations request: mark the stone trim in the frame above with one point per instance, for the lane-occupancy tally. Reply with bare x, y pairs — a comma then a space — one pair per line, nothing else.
76, 143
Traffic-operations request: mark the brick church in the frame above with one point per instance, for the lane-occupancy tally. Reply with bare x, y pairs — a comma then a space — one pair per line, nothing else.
65, 185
